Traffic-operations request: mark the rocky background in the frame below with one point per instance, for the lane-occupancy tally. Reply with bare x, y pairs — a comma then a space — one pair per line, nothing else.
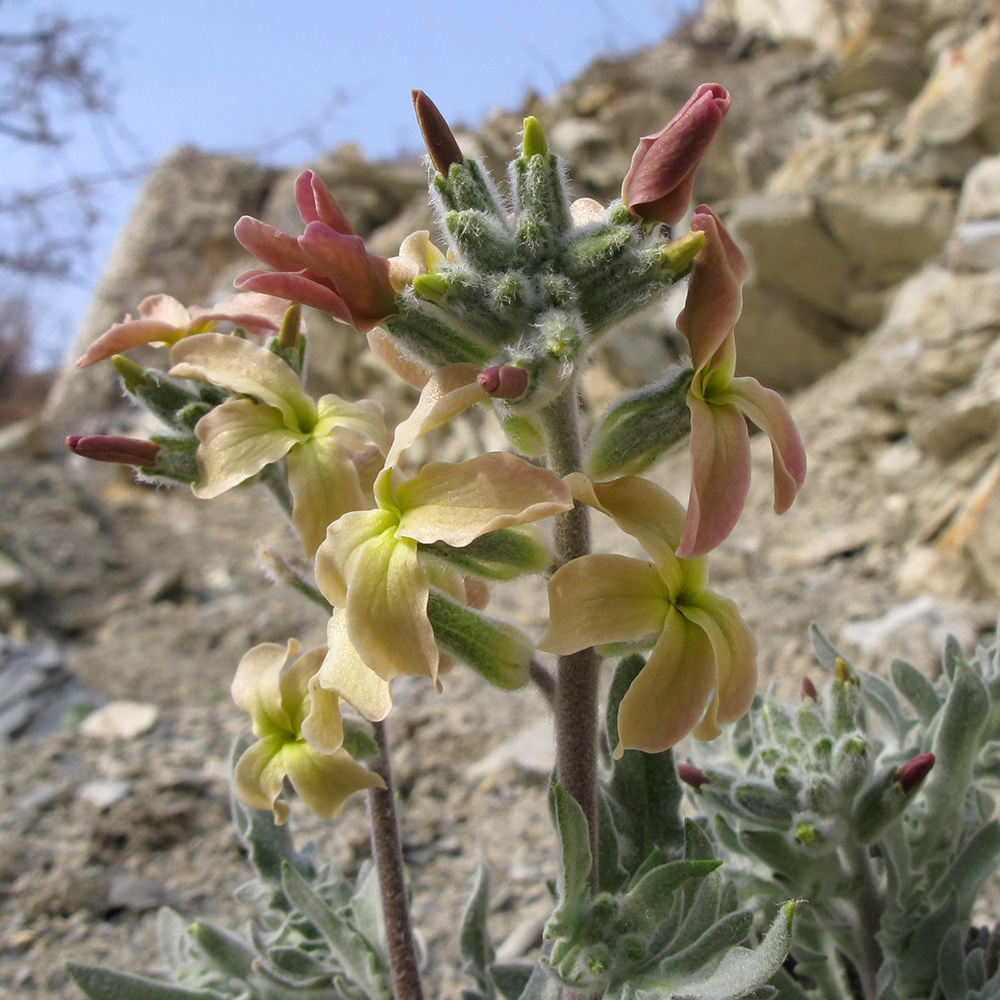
860, 169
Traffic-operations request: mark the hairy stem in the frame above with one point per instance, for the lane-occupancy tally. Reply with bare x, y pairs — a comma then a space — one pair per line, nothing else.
388, 853
577, 677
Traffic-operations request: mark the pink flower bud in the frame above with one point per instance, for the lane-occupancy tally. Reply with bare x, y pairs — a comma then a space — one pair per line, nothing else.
112, 448
909, 775
438, 137
660, 181
809, 690
503, 381
692, 776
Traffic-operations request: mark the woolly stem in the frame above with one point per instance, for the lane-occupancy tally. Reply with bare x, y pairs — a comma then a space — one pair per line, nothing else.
388, 854
577, 675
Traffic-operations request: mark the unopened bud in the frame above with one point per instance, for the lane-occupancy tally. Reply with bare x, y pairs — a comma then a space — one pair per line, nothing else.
134, 376
438, 138
692, 776
912, 773
291, 323
503, 381
113, 448
533, 142
678, 255
842, 671
809, 690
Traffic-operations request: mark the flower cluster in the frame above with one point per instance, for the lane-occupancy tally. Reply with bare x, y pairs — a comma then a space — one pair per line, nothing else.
503, 317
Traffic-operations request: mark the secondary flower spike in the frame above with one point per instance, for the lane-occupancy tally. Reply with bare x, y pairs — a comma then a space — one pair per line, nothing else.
327, 267
660, 180
702, 667
719, 402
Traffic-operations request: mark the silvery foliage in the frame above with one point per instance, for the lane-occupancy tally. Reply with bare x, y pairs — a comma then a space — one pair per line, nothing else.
807, 800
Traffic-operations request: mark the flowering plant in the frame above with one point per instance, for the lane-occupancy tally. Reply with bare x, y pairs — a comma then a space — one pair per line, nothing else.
399, 558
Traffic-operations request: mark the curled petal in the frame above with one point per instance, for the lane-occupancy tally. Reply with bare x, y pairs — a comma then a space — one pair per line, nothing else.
668, 697
325, 781
316, 204
270, 245
720, 475
260, 774
456, 503
250, 311
364, 419
344, 673
660, 179
715, 293
122, 336
735, 650
256, 687
448, 392
238, 439
641, 509
322, 728
244, 367
598, 599
768, 411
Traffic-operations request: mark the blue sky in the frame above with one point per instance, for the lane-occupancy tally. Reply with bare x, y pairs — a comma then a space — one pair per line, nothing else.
230, 76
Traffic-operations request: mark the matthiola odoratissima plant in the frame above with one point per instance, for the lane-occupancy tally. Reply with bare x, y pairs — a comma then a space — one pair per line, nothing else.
501, 313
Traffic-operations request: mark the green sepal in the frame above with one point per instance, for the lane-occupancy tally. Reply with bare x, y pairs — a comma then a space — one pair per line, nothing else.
877, 806
420, 331
176, 461
541, 202
469, 186
498, 555
498, 652
482, 241
641, 427
524, 434
168, 399
533, 141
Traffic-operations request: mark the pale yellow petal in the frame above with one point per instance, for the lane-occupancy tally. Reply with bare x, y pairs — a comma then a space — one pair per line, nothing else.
322, 728
325, 781
458, 503
324, 485
448, 392
668, 697
365, 419
387, 608
603, 598
245, 367
256, 688
238, 439
259, 776
344, 673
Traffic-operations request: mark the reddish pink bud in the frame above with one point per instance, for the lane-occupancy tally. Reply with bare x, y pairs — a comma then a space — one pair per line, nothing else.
692, 776
438, 137
809, 690
503, 381
909, 775
660, 181
113, 448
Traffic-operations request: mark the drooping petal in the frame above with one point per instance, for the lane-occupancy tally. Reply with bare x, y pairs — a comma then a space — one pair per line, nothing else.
641, 509
412, 372
299, 286
294, 685
668, 697
322, 728
344, 673
735, 650
768, 411
256, 688
324, 485
714, 296
238, 439
448, 392
720, 475
386, 595
325, 781
456, 503
260, 774
603, 598
251, 311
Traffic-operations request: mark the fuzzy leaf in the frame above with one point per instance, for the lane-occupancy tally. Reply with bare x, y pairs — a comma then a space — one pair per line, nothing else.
648, 903
474, 942
357, 960
917, 690
574, 841
105, 984
512, 978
